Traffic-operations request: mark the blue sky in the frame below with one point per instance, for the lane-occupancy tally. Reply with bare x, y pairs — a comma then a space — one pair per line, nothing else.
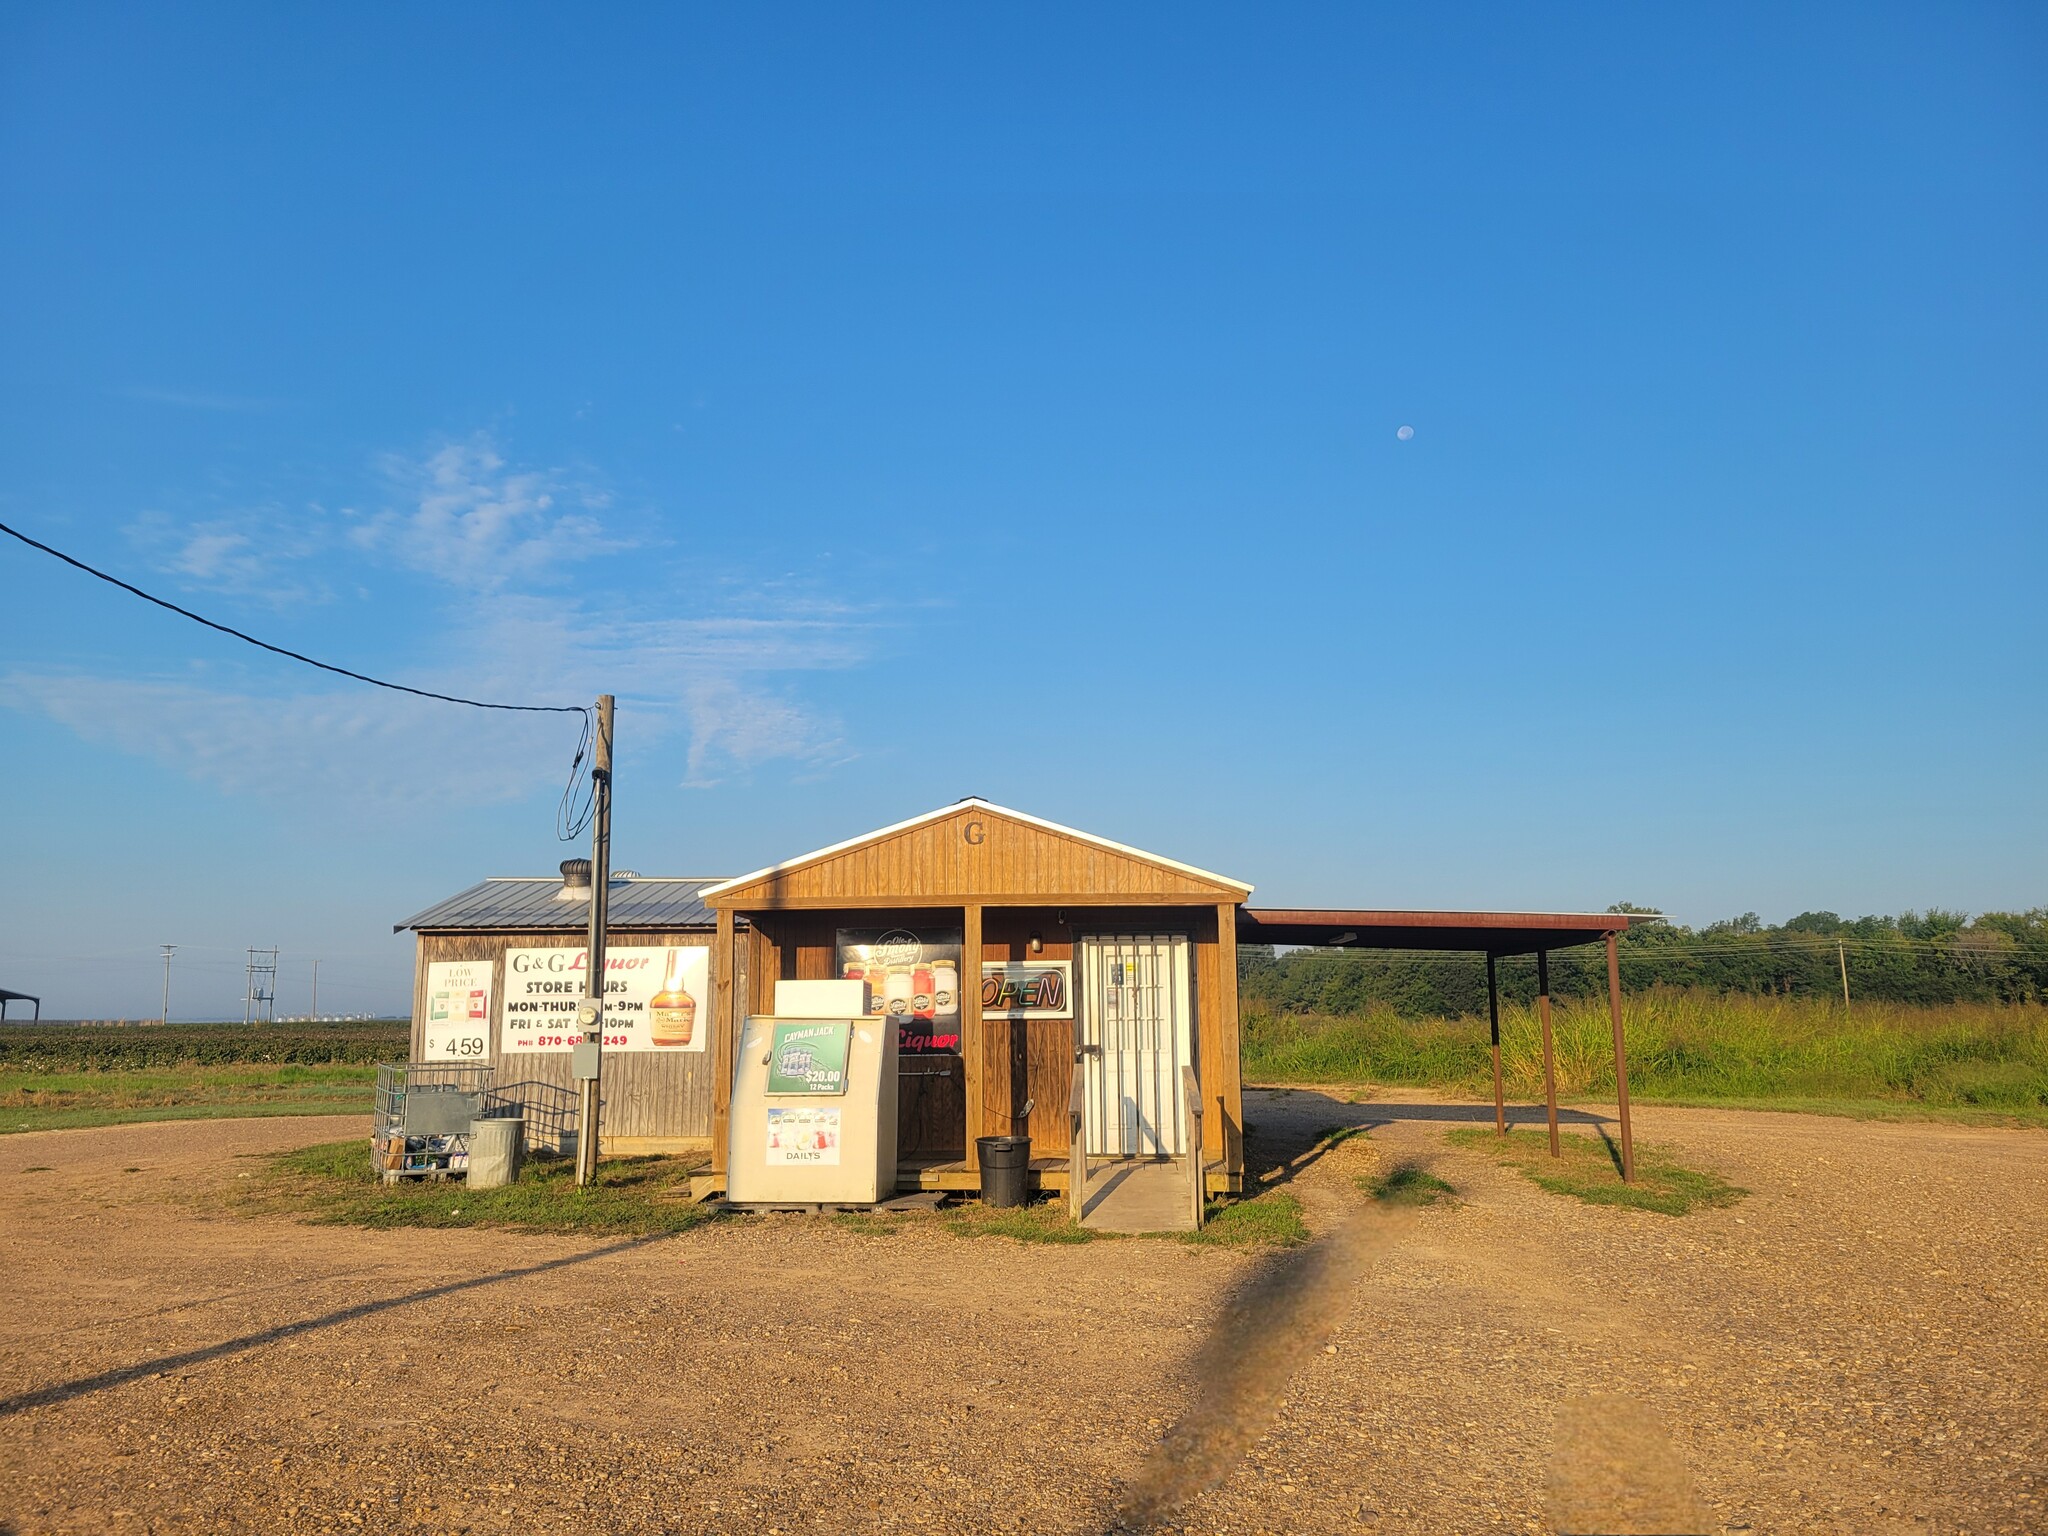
898, 403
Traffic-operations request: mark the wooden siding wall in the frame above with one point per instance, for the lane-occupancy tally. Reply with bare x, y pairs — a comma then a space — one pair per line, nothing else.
1002, 862
665, 1095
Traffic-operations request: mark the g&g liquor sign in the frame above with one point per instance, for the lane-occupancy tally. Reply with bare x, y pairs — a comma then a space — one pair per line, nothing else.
651, 998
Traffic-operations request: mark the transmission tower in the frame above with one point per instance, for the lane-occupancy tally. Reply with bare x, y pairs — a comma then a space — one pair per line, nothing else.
260, 1000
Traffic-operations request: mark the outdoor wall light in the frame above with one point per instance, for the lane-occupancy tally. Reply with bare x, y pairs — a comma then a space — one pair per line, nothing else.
1036, 943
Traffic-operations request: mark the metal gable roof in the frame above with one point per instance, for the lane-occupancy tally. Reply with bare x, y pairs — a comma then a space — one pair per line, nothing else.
637, 901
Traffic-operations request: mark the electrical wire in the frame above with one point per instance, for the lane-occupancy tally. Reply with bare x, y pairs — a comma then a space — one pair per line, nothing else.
278, 650
570, 818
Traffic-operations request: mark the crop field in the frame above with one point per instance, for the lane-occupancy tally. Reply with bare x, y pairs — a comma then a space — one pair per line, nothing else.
55, 1077
118, 1047
1960, 1061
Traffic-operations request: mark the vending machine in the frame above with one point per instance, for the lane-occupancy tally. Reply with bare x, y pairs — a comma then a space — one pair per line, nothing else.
813, 1117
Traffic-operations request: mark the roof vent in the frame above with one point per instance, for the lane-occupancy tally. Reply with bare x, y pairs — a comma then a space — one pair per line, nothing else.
575, 880
625, 874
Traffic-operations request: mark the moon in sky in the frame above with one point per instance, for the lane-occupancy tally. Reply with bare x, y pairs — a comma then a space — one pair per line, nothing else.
1405, 433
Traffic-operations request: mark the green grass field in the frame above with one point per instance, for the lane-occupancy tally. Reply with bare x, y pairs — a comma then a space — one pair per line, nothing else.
1588, 1168
49, 1101
1961, 1061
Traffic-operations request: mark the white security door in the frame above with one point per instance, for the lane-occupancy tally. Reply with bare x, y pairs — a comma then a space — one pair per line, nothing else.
1135, 1035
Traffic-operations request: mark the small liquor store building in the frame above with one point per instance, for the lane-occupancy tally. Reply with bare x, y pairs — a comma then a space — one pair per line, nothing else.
1013, 953
1034, 975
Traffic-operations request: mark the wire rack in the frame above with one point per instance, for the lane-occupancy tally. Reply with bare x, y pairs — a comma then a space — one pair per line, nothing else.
422, 1118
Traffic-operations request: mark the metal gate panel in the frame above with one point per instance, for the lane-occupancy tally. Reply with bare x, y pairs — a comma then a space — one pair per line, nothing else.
1135, 1031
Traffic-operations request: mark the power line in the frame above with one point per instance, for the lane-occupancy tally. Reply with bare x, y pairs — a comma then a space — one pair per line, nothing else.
278, 650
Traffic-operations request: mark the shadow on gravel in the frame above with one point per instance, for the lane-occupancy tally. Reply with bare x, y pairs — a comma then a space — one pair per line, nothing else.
1269, 1330
65, 1391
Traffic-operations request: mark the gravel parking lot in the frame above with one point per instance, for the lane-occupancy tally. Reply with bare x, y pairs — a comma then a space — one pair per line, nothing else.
1857, 1347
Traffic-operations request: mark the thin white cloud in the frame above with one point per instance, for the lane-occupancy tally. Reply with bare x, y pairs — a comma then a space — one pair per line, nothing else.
366, 749
473, 521
708, 695
259, 552
732, 728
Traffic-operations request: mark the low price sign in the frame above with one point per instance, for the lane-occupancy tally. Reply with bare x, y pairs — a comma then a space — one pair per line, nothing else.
457, 1024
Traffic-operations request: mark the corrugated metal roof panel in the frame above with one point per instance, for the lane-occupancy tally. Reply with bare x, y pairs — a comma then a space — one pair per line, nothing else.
636, 902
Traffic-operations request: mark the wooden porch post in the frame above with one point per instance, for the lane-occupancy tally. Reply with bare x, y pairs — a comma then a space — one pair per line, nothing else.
1628, 1141
1225, 1091
724, 956
1500, 1104
972, 1068
1549, 1053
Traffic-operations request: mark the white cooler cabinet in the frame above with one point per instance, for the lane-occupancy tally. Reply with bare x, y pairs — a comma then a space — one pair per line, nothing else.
813, 1148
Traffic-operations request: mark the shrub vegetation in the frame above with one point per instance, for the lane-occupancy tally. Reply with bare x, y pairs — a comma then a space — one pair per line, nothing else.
1690, 1046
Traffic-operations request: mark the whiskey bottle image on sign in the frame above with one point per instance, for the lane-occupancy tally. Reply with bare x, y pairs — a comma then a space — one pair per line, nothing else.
672, 1012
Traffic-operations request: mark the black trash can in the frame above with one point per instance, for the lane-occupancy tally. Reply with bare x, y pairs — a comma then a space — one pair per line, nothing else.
1005, 1168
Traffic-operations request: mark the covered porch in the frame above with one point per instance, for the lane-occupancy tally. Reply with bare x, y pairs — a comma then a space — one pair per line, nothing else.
1494, 935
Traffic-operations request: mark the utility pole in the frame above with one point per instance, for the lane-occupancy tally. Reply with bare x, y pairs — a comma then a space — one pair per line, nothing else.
169, 950
588, 1059
1842, 956
262, 989
316, 991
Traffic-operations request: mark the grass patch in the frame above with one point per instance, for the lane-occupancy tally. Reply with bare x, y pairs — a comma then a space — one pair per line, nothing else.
1974, 1062
1042, 1221
48, 1101
1269, 1220
1407, 1186
333, 1184
1589, 1169
866, 1223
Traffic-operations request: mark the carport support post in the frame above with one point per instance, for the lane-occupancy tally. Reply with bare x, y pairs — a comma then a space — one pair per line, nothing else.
1500, 1103
1628, 1140
1549, 1052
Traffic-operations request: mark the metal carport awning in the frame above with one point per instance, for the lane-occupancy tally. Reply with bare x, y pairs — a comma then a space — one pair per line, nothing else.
1492, 934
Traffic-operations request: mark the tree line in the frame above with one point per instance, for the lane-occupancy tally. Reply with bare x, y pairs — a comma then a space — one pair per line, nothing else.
1917, 957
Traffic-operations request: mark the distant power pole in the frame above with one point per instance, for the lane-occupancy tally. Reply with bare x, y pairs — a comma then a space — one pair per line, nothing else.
262, 988
1842, 957
169, 950
316, 991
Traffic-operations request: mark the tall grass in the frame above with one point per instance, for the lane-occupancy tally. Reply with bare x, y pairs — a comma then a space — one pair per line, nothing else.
1685, 1045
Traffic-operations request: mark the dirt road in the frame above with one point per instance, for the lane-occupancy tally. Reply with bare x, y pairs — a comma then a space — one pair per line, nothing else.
1859, 1346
